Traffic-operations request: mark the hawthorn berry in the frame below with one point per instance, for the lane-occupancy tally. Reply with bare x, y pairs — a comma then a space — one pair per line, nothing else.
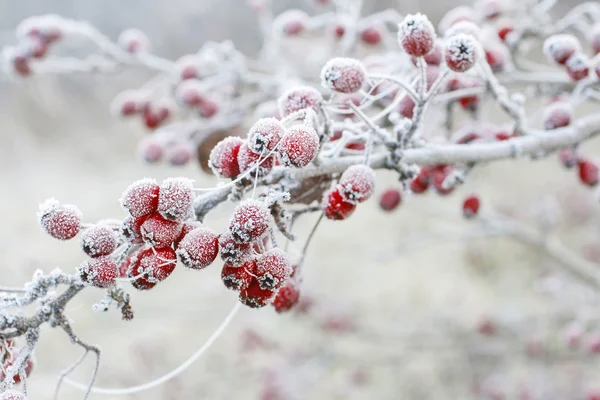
357, 183
131, 229
156, 113
406, 106
250, 221
559, 48
186, 228
236, 278
141, 197
588, 172
100, 272
17, 377
435, 56
188, 67
504, 28
62, 222
128, 103
421, 182
390, 199
343, 75
199, 248
577, 66
568, 157
189, 92
471, 206
151, 150
416, 35
497, 56
438, 177
273, 268
557, 115
176, 199
461, 52
160, 232
99, 240
150, 266
35, 47
232, 252
12, 395
253, 296
287, 297
134, 41
292, 22
265, 134
299, 98
207, 108
179, 154
248, 160
371, 35
299, 146
223, 157
335, 207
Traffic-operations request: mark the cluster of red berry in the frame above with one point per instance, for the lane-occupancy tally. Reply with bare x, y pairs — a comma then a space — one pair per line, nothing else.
566, 50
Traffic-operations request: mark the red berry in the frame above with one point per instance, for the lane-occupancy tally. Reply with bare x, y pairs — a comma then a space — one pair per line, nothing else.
299, 146
253, 296
557, 115
371, 35
59, 221
21, 65
470, 206
160, 232
406, 107
439, 175
265, 134
287, 297
339, 30
208, 108
187, 67
559, 48
12, 395
133, 41
496, 56
504, 28
577, 66
435, 56
335, 207
176, 199
292, 22
223, 157
468, 138
588, 172
141, 197
156, 113
501, 136
593, 395
132, 229
461, 52
416, 35
299, 98
99, 240
357, 183
199, 248
35, 47
568, 157
486, 327
358, 145
273, 269
236, 278
127, 103
150, 266
179, 154
189, 92
248, 160
343, 75
593, 344
99, 272
232, 252
421, 182
250, 221
186, 228
151, 150
390, 199
17, 377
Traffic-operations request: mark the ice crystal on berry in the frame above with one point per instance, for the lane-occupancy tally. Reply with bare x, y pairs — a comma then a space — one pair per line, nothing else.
199, 248
223, 159
272, 269
357, 183
416, 35
265, 134
99, 240
141, 197
299, 98
299, 146
176, 198
250, 220
100, 272
461, 52
59, 221
343, 75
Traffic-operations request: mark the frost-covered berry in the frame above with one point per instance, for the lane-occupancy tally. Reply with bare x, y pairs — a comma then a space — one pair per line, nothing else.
559, 48
371, 35
248, 160
160, 232
150, 150
438, 177
141, 197
588, 172
435, 56
505, 27
299, 146
578, 66
150, 266
176, 199
134, 41
179, 154
250, 221
223, 157
557, 115
421, 182
99, 240
232, 252
273, 268
59, 221
155, 114
199, 248
390, 199
291, 22
470, 206
298, 98
17, 377
343, 75
416, 35
357, 183
190, 93
131, 229
12, 395
335, 207
406, 106
568, 157
236, 278
287, 297
254, 296
461, 52
208, 108
188, 67
99, 272
594, 38
127, 103
497, 56
265, 134
186, 228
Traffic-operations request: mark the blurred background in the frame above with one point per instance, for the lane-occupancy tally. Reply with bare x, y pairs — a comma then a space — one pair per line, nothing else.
395, 306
